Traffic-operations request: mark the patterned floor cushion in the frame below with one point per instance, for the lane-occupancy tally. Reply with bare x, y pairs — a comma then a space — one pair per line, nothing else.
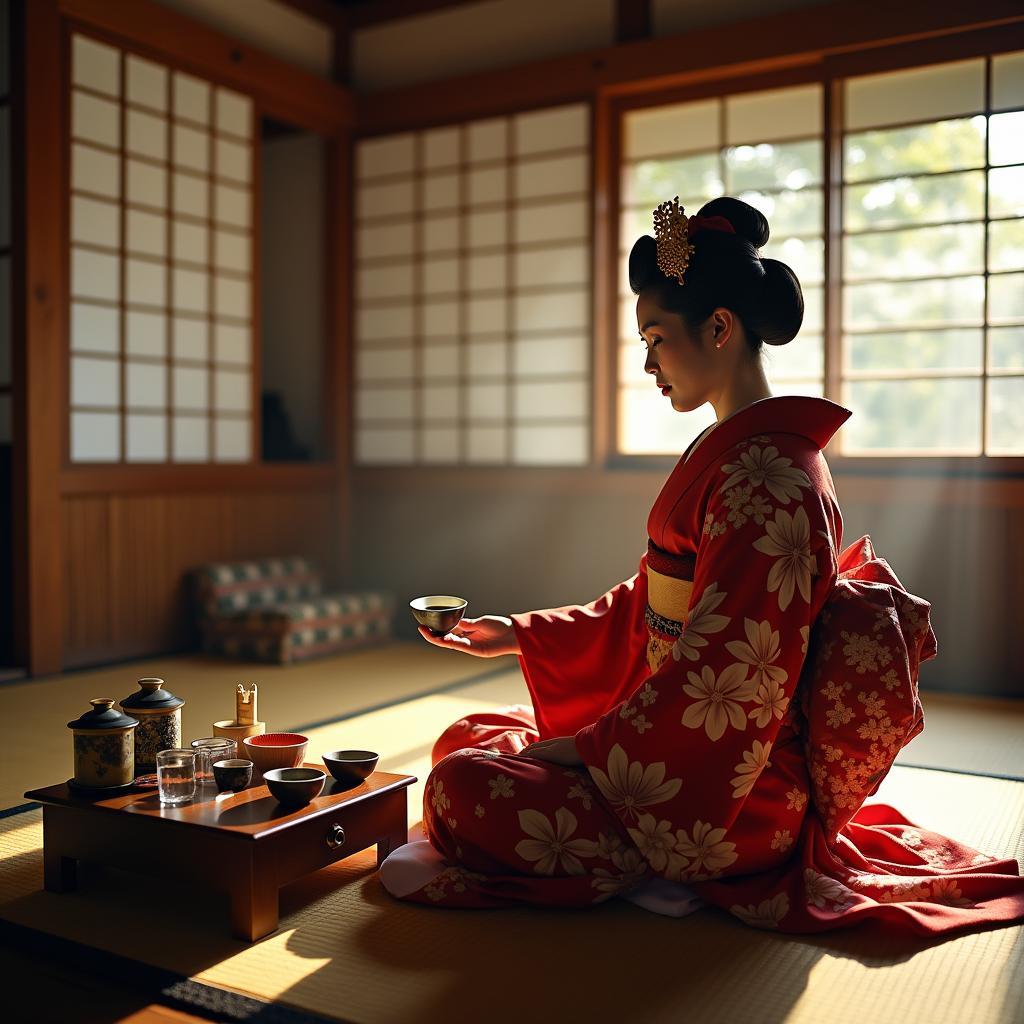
273, 610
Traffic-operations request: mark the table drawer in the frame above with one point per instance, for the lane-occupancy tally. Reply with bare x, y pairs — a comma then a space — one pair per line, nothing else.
331, 837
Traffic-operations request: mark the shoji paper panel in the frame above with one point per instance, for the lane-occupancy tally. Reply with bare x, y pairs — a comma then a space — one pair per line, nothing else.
472, 284
161, 261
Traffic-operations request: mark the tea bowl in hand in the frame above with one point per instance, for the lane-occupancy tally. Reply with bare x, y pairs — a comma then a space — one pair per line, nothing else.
235, 774
350, 767
295, 786
275, 750
440, 613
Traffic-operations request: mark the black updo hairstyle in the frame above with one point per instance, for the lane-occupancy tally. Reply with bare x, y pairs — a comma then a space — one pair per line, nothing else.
725, 270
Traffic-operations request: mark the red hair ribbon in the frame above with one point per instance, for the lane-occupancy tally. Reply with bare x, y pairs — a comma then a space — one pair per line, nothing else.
717, 223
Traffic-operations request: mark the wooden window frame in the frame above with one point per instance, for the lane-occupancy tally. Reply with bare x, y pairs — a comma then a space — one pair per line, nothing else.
830, 73
821, 45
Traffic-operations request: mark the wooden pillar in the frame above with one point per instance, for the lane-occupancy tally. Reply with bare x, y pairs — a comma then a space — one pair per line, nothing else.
339, 378
39, 336
339, 320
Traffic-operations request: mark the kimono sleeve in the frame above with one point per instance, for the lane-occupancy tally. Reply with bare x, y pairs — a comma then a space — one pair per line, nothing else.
581, 660
681, 755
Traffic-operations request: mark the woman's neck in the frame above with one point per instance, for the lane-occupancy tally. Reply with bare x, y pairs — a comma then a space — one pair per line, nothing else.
747, 386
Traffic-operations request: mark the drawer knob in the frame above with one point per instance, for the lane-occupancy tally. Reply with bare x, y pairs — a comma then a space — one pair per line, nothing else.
336, 837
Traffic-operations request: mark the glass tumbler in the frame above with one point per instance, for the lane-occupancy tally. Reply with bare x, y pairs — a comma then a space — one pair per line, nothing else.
176, 776
209, 749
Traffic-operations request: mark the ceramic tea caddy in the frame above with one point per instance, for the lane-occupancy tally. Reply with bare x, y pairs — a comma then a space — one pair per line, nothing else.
104, 748
159, 715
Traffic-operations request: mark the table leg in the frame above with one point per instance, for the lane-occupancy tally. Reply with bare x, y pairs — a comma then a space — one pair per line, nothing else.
254, 904
59, 872
398, 835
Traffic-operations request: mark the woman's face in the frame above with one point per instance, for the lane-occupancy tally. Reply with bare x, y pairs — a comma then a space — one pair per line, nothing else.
687, 361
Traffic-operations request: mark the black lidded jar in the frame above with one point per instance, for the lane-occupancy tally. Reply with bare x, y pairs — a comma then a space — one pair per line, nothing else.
159, 714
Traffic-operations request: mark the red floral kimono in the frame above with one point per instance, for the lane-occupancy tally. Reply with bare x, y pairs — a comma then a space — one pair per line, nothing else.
734, 703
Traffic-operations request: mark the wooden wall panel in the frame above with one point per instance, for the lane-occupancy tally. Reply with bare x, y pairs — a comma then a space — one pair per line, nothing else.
86, 588
127, 557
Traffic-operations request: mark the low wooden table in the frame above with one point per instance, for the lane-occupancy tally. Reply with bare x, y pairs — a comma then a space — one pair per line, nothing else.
245, 844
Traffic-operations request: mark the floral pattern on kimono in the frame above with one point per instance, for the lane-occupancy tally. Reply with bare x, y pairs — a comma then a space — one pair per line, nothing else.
728, 759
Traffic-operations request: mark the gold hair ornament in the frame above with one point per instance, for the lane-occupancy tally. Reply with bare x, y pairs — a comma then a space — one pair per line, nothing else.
671, 233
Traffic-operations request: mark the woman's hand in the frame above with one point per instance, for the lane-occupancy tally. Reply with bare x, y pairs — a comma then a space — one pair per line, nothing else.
559, 750
486, 637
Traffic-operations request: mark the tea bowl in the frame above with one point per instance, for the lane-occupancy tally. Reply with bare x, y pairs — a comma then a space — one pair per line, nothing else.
440, 613
275, 750
295, 786
350, 766
235, 773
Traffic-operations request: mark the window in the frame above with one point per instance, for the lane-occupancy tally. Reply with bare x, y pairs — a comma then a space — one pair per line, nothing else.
929, 350
160, 264
764, 147
472, 318
933, 260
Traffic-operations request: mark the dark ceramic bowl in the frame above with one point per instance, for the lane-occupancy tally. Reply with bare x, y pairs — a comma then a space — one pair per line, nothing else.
440, 613
295, 786
350, 767
234, 773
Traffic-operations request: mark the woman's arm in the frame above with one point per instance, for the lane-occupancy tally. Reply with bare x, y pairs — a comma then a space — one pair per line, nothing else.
580, 660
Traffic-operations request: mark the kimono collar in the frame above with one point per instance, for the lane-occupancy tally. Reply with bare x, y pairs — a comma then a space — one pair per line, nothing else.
816, 419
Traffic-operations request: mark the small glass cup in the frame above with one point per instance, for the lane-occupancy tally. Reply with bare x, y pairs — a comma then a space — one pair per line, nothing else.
209, 749
176, 776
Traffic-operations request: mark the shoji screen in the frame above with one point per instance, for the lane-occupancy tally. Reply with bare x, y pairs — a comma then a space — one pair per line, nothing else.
933, 260
472, 320
160, 264
764, 147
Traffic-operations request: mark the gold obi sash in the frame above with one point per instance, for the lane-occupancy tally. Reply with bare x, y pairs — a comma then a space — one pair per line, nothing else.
669, 586
667, 596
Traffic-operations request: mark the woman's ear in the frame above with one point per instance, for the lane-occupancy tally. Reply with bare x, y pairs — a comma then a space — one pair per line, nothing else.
722, 329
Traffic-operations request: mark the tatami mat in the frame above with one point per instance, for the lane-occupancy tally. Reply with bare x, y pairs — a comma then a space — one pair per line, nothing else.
345, 950
970, 734
348, 951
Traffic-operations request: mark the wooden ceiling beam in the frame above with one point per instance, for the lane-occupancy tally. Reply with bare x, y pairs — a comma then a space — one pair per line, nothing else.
320, 10
283, 90
756, 46
367, 14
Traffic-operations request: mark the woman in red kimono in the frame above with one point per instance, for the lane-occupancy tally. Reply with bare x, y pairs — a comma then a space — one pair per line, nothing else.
707, 731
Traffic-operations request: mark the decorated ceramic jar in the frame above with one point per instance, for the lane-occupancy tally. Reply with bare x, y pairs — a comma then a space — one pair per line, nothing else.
104, 747
159, 715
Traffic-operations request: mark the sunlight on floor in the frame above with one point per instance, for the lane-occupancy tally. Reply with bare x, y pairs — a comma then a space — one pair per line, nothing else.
403, 735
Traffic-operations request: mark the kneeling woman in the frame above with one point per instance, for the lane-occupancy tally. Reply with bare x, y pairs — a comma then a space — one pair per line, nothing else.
670, 754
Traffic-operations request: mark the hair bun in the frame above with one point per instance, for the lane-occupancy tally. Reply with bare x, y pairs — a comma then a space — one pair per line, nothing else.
747, 221
643, 264
777, 315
